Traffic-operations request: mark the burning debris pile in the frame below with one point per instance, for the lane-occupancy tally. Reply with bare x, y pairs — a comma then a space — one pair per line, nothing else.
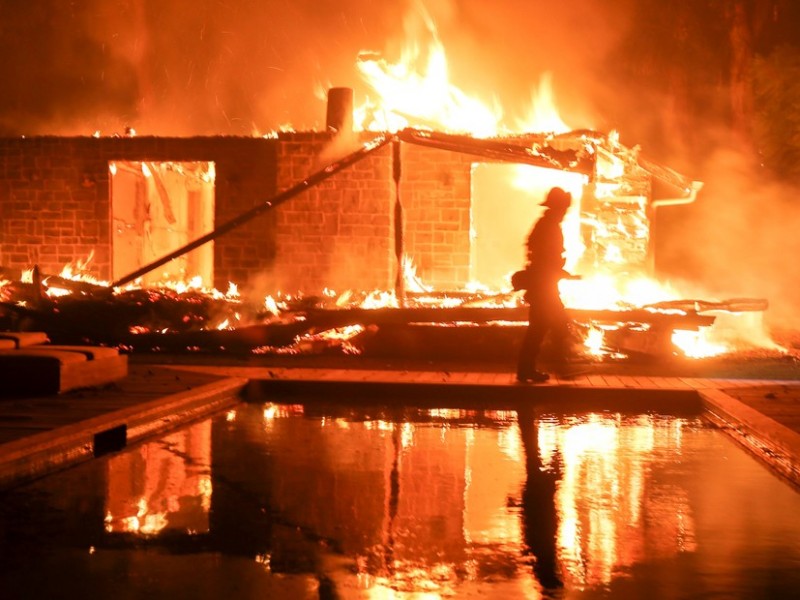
428, 325
79, 311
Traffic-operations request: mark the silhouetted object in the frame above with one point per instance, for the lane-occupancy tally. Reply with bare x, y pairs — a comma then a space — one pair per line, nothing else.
539, 514
540, 279
339, 116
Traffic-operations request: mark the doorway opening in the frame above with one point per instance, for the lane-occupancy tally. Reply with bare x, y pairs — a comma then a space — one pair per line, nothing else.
156, 208
506, 202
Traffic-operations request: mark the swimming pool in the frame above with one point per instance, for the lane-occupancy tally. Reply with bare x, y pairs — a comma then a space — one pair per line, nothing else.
314, 500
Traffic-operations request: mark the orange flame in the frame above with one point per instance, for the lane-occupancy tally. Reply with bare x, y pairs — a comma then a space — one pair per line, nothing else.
417, 91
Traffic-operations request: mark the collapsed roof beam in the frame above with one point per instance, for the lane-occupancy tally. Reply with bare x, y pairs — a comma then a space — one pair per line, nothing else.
505, 151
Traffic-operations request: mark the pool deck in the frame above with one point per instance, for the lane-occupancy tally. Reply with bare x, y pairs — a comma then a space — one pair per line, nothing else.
39, 435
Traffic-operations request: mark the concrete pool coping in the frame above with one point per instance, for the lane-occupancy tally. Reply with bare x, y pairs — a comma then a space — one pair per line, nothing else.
771, 441
156, 399
43, 434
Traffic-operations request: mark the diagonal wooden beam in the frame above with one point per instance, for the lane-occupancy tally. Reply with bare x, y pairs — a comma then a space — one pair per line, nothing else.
309, 182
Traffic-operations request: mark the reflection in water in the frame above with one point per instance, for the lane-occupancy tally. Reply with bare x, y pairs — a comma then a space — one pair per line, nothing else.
613, 512
442, 498
425, 503
388, 502
539, 510
162, 485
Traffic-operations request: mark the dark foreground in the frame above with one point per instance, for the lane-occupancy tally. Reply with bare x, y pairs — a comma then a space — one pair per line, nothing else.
316, 500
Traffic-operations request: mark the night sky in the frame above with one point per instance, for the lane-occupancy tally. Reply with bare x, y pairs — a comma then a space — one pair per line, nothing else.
188, 67
243, 67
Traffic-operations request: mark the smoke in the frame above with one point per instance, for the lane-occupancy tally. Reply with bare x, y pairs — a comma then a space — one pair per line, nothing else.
183, 67
739, 239
205, 67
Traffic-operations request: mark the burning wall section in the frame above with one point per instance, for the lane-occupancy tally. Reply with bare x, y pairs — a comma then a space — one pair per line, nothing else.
295, 217
435, 194
337, 234
55, 204
342, 234
55, 198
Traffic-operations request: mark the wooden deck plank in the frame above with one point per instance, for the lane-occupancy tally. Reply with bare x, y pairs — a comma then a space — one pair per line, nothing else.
423, 376
613, 381
663, 383
734, 383
695, 384
706, 383
366, 376
487, 378
628, 382
458, 377
319, 374
506, 379
596, 380
475, 378
645, 383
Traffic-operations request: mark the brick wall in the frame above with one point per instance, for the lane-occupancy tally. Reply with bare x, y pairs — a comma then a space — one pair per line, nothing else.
55, 204
435, 194
55, 209
338, 234
341, 234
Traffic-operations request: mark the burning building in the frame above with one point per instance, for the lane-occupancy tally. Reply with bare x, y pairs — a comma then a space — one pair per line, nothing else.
129, 201
419, 202
297, 214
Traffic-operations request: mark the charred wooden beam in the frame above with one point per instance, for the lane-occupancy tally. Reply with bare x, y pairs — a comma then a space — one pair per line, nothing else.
76, 287
467, 298
326, 319
506, 151
700, 306
399, 239
43, 280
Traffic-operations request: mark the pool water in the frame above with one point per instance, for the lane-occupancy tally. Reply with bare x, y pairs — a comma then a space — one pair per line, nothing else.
319, 501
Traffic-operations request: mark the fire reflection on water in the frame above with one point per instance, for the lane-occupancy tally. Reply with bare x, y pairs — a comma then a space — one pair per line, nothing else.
164, 485
445, 499
606, 499
453, 511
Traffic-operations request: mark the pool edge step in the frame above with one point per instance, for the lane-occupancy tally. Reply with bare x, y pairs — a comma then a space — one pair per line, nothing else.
42, 453
770, 441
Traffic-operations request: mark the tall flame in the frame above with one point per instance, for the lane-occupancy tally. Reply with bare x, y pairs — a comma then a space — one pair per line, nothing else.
543, 116
417, 91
